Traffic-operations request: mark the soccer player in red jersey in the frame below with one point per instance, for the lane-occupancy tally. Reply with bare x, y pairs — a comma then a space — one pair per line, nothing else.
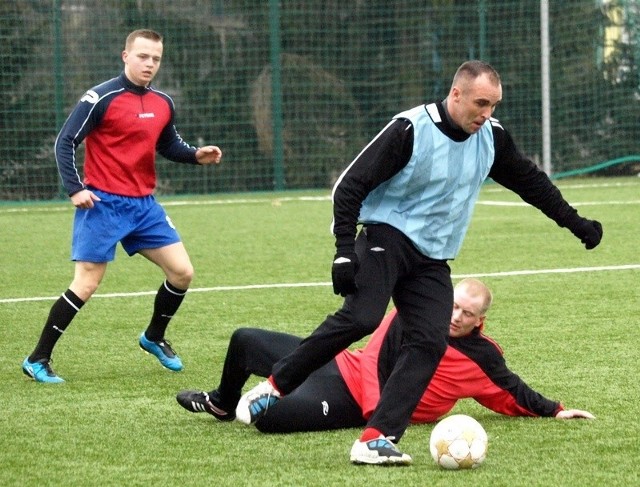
345, 392
123, 123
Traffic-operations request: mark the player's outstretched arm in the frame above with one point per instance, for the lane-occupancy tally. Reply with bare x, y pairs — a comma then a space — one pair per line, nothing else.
574, 414
209, 154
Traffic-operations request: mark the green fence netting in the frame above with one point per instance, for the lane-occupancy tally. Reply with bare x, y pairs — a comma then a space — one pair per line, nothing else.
291, 91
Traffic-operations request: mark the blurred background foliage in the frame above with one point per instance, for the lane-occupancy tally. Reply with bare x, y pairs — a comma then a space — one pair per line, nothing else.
292, 91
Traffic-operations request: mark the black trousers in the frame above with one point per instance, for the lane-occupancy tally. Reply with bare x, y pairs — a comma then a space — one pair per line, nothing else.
322, 402
390, 268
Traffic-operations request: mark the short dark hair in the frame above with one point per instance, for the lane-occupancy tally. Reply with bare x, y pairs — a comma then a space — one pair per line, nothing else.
152, 35
474, 68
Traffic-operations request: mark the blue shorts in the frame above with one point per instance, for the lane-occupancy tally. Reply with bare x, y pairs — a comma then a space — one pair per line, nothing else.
137, 223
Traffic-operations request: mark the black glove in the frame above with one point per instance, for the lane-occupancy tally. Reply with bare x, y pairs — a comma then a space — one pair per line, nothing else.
343, 272
588, 231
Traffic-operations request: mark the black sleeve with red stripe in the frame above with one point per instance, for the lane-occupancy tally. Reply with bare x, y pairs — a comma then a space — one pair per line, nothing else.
488, 356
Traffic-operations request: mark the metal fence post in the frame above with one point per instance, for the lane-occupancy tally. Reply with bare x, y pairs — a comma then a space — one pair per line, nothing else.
276, 94
546, 89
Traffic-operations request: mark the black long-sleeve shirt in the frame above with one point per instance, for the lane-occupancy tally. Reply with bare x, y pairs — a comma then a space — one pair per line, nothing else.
389, 152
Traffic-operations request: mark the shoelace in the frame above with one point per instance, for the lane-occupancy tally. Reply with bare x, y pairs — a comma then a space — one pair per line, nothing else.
390, 439
47, 367
207, 400
263, 408
166, 346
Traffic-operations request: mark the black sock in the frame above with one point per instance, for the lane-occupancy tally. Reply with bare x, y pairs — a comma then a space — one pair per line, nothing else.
60, 316
166, 304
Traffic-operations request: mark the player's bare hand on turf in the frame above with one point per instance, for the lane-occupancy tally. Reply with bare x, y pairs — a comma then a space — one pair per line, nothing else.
84, 199
574, 413
209, 154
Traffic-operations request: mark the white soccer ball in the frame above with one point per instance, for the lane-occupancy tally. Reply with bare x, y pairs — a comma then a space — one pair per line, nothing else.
458, 442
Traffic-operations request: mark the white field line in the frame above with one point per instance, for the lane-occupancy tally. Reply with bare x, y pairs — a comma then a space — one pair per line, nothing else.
280, 201
583, 203
566, 186
320, 284
276, 201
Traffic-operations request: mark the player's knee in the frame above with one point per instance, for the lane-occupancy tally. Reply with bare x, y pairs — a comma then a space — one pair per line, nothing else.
366, 323
270, 425
240, 336
187, 274
367, 327
264, 426
182, 277
84, 288
84, 291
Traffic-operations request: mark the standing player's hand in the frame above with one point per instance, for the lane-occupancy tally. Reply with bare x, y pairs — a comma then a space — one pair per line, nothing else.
84, 199
588, 231
343, 272
209, 154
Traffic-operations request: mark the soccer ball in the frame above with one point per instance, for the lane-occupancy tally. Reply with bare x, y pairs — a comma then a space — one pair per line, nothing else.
458, 442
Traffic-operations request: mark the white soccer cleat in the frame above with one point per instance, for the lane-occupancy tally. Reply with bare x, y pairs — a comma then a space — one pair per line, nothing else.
256, 402
379, 451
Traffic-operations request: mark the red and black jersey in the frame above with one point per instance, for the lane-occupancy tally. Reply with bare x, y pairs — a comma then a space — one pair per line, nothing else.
123, 125
472, 367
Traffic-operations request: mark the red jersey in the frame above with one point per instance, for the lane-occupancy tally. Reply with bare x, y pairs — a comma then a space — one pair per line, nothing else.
472, 367
124, 125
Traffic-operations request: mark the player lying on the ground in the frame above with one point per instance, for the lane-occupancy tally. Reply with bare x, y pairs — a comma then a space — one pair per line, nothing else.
343, 393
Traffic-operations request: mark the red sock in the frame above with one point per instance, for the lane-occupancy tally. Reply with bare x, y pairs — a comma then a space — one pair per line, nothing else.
370, 434
273, 383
